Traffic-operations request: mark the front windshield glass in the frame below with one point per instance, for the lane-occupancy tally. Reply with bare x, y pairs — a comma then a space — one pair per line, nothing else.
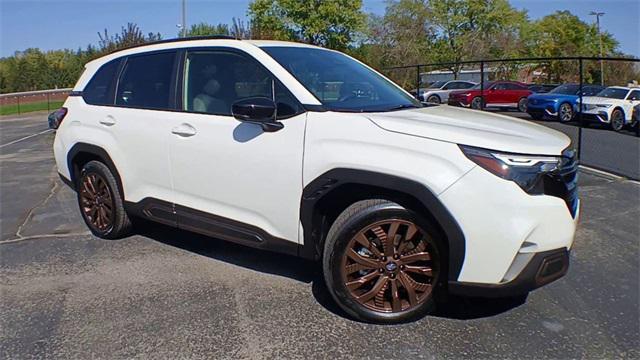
613, 93
340, 83
567, 89
486, 85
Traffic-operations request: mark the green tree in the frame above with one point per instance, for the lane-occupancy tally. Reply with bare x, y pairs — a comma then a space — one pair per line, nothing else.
129, 36
329, 23
204, 29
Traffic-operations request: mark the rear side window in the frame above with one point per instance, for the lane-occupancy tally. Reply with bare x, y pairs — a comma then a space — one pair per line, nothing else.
99, 91
511, 86
146, 81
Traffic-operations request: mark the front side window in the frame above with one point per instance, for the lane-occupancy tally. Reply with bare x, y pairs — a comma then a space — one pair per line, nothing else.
146, 81
214, 80
99, 91
613, 93
339, 82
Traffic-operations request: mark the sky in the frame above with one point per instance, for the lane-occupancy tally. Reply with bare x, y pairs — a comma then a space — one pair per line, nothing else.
57, 24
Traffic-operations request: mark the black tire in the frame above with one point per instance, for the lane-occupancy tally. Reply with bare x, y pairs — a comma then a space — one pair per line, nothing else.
476, 103
434, 99
341, 235
522, 105
108, 202
617, 120
565, 112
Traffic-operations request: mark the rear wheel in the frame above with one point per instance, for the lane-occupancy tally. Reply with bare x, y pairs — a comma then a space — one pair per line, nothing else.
522, 105
381, 263
101, 203
617, 120
565, 112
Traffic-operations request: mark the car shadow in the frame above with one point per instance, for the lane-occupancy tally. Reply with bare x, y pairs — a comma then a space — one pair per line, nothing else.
460, 308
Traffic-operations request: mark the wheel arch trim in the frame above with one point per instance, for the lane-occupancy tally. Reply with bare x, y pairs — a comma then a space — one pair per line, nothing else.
333, 179
100, 153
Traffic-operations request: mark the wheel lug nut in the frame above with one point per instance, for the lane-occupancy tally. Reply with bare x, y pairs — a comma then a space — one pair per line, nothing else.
384, 258
381, 270
392, 275
402, 267
396, 256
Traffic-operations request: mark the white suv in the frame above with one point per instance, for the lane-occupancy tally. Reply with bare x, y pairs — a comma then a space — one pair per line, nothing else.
613, 106
306, 151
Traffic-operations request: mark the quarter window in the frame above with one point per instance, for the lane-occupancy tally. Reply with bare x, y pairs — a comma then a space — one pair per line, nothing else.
635, 95
99, 91
146, 81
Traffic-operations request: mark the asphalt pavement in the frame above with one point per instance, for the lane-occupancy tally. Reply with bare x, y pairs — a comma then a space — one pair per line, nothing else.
163, 293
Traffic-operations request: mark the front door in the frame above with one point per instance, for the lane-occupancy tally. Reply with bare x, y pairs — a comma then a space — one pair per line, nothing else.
228, 175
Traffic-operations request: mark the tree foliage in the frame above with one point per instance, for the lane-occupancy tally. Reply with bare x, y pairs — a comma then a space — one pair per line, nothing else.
409, 32
330, 23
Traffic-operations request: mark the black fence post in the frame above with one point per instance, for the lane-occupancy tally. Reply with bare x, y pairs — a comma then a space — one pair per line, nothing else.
18, 97
48, 102
481, 85
580, 117
418, 82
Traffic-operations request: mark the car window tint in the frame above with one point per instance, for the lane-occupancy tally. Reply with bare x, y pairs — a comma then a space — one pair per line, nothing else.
510, 86
99, 91
501, 86
635, 95
214, 80
146, 81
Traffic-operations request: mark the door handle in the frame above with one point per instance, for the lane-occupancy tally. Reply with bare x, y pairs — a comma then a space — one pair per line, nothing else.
184, 130
108, 121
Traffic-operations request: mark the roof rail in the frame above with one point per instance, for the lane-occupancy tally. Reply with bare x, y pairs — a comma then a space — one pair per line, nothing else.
189, 38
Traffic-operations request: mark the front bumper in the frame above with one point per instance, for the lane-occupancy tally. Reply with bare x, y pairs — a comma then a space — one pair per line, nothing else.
599, 116
543, 268
504, 227
457, 102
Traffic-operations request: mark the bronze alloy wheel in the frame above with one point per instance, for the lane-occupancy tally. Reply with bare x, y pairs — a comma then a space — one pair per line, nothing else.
390, 266
96, 202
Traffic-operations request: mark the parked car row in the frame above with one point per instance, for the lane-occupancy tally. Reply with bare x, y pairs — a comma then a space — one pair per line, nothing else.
496, 94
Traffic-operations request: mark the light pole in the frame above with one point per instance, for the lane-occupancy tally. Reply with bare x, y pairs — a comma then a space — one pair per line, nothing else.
183, 25
597, 15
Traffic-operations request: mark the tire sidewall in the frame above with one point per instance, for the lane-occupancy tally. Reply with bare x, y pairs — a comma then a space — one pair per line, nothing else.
436, 99
476, 103
332, 265
522, 105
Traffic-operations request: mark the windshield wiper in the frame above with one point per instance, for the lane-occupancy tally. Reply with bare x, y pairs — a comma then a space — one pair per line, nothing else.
403, 106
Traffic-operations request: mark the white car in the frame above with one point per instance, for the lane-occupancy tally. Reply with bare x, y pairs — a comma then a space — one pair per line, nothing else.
438, 92
613, 105
306, 151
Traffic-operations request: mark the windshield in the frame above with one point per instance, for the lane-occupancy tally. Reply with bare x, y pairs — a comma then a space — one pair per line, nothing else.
567, 89
613, 93
486, 85
339, 82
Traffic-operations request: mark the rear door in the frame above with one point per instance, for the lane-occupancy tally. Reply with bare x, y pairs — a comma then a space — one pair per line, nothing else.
140, 123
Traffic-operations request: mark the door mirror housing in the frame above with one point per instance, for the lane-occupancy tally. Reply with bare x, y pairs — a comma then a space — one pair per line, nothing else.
257, 110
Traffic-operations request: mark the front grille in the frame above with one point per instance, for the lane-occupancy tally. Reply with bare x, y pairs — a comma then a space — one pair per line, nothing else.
563, 183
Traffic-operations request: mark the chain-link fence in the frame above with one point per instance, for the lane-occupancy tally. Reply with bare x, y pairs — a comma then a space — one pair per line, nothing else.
23, 102
594, 101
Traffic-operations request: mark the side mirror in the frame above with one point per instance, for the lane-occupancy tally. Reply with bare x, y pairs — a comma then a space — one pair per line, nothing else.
257, 110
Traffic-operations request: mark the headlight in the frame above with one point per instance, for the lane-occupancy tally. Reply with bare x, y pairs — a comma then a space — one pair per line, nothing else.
605, 106
525, 170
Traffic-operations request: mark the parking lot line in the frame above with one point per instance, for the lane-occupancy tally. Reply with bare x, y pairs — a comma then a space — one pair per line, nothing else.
25, 138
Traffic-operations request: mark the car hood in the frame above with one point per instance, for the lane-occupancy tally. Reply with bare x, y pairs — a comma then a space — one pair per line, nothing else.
599, 100
551, 97
474, 128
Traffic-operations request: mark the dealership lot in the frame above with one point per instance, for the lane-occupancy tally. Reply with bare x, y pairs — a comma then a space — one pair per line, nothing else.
164, 293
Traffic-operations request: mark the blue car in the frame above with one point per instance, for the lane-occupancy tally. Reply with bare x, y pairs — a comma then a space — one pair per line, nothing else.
560, 103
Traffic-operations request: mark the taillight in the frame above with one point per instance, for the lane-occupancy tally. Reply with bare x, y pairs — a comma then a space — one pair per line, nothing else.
56, 117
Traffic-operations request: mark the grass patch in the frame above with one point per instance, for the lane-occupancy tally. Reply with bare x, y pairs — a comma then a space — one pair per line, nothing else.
29, 107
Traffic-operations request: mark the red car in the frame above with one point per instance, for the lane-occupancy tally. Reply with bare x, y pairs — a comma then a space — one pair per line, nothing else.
503, 94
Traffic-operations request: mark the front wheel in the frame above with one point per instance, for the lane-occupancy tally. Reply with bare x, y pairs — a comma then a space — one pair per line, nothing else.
522, 105
433, 99
565, 112
476, 103
381, 263
617, 120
